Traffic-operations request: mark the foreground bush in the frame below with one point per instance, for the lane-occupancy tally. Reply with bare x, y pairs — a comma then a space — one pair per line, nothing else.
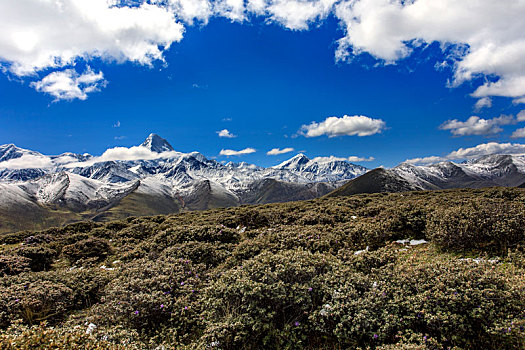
40, 257
13, 265
322, 274
92, 247
34, 302
20, 337
267, 302
492, 226
151, 295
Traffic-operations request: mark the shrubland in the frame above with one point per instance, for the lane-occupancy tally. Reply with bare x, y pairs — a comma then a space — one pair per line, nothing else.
417, 270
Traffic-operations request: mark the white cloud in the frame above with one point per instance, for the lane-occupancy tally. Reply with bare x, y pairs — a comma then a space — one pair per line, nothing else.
347, 125
521, 116
117, 124
518, 133
27, 161
485, 102
480, 37
486, 36
277, 151
69, 85
360, 159
348, 159
292, 14
232, 9
230, 152
226, 133
474, 152
189, 10
126, 154
518, 101
477, 126
119, 137
48, 34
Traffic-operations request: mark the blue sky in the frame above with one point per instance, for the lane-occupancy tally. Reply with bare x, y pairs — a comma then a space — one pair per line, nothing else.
263, 82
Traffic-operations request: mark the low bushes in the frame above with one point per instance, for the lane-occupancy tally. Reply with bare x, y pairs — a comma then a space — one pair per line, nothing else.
13, 264
88, 248
323, 274
40, 257
267, 301
149, 295
492, 226
34, 302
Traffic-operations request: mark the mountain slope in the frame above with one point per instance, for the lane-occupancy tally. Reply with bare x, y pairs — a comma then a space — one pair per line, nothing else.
275, 191
377, 180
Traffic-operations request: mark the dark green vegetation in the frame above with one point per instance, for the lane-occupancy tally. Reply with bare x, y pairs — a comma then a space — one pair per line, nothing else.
280, 276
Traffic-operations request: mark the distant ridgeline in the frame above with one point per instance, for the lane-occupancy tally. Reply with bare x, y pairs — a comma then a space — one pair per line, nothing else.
72, 187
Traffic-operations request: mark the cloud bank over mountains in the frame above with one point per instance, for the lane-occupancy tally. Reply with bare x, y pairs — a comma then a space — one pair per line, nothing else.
473, 152
43, 41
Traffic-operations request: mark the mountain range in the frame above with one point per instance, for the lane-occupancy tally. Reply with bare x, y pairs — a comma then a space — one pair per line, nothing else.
148, 179
38, 191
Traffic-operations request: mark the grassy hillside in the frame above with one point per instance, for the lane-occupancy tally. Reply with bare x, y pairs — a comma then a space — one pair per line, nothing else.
319, 274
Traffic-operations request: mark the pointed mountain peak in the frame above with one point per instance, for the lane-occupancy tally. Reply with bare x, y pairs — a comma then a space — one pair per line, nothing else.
157, 144
294, 162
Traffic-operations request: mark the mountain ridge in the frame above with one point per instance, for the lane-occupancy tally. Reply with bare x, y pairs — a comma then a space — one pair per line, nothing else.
154, 178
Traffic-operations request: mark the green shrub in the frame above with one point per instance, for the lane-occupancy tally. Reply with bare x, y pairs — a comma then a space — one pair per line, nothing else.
267, 302
88, 248
457, 303
20, 337
41, 257
149, 295
491, 226
13, 265
209, 254
34, 302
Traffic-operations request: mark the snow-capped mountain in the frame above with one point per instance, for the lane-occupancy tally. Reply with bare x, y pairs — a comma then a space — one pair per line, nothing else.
489, 170
155, 177
486, 171
157, 144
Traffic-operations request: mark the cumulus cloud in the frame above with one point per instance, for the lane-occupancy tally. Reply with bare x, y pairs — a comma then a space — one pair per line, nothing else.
348, 159
277, 151
126, 154
518, 101
292, 14
189, 10
230, 152
518, 133
232, 9
480, 37
477, 126
521, 116
485, 102
27, 161
47, 34
69, 85
474, 152
226, 133
487, 36
360, 159
347, 125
